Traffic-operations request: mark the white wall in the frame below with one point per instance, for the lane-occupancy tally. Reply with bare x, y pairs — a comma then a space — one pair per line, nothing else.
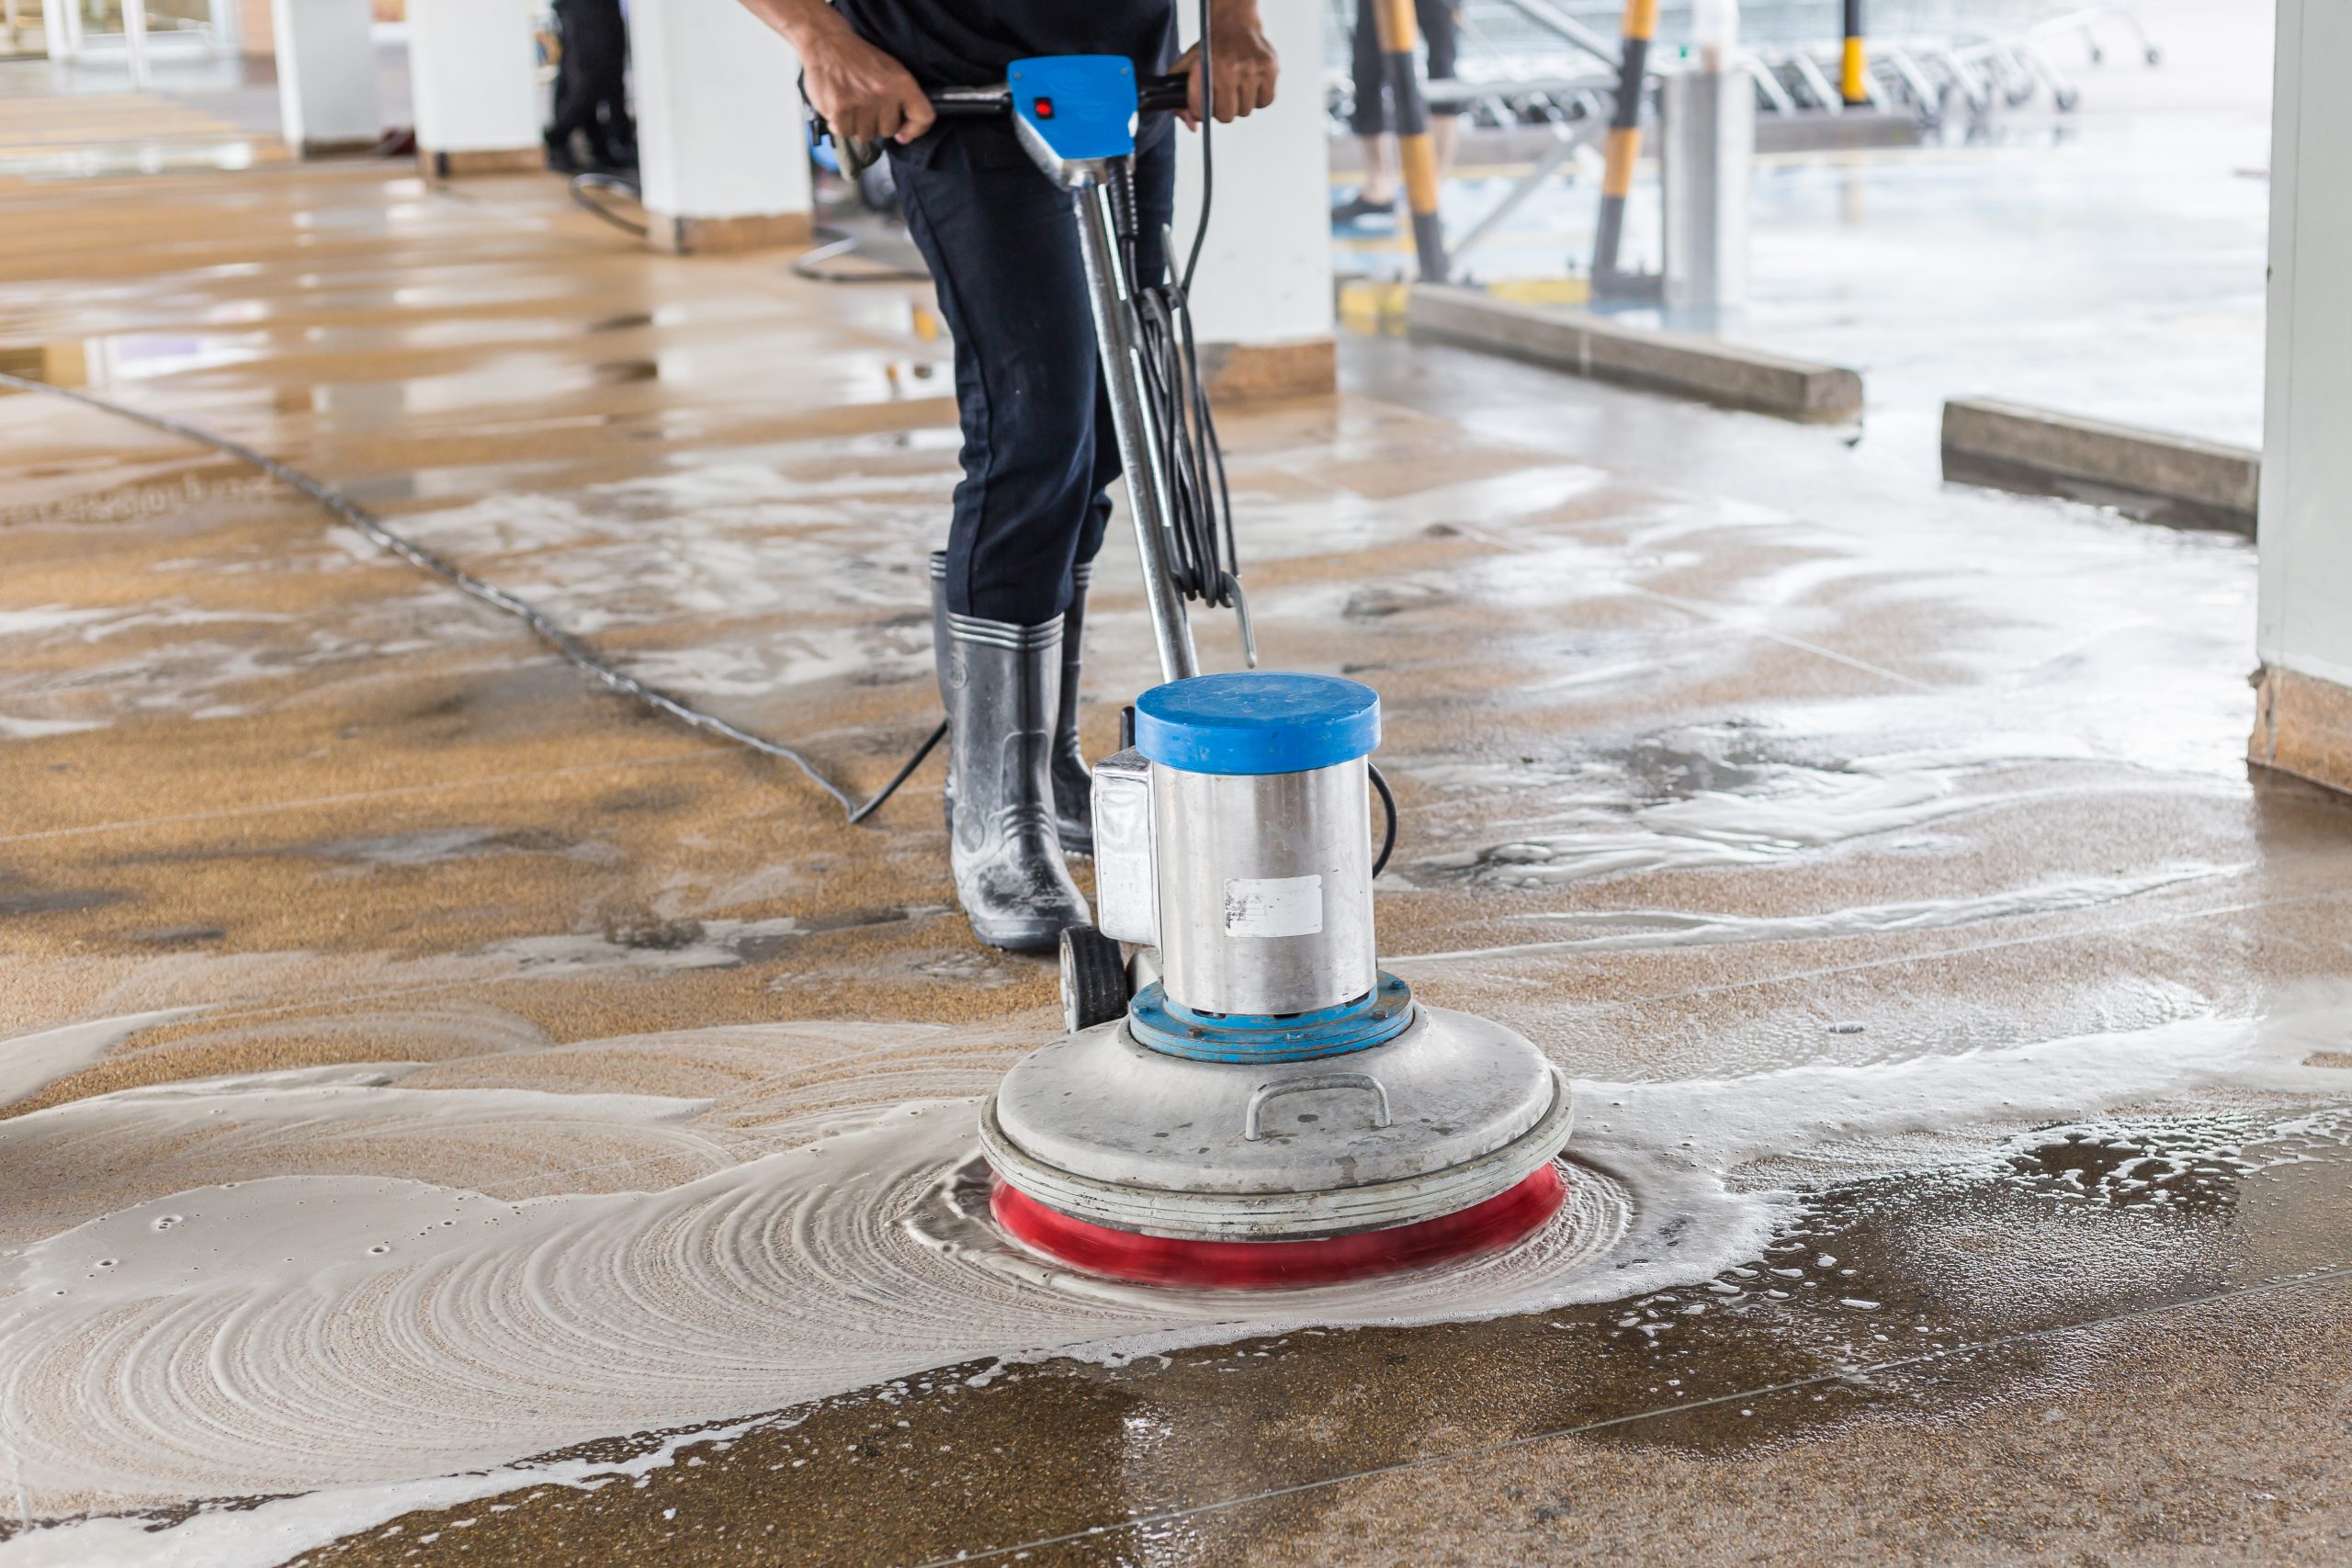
326, 72
720, 123
2305, 531
1265, 275
473, 73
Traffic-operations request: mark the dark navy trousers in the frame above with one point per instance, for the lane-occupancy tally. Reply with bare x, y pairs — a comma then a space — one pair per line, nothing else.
1039, 450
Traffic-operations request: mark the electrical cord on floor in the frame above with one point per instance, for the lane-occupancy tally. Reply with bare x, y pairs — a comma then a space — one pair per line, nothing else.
555, 636
594, 180
815, 265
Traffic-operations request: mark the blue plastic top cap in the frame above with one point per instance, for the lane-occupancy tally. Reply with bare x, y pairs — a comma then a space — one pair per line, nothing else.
1080, 105
1258, 721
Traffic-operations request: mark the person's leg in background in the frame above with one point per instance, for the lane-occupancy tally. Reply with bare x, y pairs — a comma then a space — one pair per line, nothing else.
1438, 20
575, 105
612, 132
1073, 778
1377, 192
1002, 246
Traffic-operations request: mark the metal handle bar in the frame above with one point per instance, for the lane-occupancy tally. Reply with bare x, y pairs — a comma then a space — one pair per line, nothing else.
1154, 94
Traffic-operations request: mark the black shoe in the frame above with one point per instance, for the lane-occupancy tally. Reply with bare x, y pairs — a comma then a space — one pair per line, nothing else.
1073, 779
1356, 210
562, 159
1003, 689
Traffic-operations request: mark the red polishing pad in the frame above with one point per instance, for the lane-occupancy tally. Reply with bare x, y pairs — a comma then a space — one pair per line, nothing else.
1245, 1264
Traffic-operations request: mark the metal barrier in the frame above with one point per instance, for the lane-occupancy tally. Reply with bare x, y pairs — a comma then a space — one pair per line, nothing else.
1554, 61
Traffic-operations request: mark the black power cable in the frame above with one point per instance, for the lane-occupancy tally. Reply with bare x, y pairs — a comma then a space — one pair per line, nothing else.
1388, 801
1204, 558
440, 566
583, 184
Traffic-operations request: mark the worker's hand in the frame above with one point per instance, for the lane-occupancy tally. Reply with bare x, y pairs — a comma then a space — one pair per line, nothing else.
860, 90
1240, 60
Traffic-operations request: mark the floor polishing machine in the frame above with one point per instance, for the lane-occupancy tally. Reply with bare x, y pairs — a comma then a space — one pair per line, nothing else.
1267, 1107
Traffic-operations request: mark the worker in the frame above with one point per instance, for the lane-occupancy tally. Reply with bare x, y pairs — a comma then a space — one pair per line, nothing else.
1039, 451
591, 90
1376, 196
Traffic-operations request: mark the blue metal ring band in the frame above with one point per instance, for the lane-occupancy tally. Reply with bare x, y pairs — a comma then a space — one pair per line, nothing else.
1158, 1024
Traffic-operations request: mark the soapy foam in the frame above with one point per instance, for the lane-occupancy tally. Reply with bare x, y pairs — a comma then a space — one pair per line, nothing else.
29, 1063
292, 1333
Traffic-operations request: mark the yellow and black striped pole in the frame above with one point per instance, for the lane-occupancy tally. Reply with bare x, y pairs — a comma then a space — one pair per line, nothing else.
1854, 64
1400, 37
1624, 140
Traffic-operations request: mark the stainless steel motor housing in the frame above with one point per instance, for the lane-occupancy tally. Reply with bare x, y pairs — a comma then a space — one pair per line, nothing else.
1255, 888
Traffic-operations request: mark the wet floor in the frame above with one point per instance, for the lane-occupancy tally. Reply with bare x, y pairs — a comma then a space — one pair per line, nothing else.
456, 1114
2108, 262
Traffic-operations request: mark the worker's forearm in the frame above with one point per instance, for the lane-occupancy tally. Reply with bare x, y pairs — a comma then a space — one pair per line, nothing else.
802, 22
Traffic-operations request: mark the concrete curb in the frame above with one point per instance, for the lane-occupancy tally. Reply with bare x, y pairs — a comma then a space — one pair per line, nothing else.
1683, 362
1988, 441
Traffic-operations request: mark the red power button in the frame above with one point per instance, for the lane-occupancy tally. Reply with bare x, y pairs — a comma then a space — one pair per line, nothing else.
1043, 108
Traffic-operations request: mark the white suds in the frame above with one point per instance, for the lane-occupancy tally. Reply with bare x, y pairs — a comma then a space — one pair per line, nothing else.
361, 1339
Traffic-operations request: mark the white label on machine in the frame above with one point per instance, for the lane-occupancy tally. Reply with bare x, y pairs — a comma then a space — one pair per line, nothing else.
1274, 906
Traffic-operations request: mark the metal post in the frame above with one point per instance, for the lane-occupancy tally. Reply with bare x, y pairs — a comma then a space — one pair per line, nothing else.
1107, 289
134, 39
1400, 34
1705, 144
1854, 74
1624, 149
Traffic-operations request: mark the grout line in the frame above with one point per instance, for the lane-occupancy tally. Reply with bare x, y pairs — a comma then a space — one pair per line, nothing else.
1854, 1375
1726, 619
1715, 614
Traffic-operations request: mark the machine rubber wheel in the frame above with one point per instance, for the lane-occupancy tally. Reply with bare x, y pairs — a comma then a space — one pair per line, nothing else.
1094, 979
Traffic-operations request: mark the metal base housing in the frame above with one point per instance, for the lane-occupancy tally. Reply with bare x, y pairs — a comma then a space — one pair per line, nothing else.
1453, 1113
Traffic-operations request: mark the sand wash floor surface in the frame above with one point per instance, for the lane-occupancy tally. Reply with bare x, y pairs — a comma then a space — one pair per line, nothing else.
369, 1344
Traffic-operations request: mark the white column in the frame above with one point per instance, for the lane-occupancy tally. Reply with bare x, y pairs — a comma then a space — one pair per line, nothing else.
722, 146
473, 73
2304, 538
134, 44
61, 28
326, 74
1261, 300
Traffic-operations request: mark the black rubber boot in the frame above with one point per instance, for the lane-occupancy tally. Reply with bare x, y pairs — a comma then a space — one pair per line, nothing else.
1073, 779
1002, 683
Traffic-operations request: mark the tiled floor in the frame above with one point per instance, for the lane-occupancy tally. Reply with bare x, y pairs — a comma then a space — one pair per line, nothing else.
456, 1114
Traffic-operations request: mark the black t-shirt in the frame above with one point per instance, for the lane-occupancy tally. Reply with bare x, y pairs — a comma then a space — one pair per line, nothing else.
968, 43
